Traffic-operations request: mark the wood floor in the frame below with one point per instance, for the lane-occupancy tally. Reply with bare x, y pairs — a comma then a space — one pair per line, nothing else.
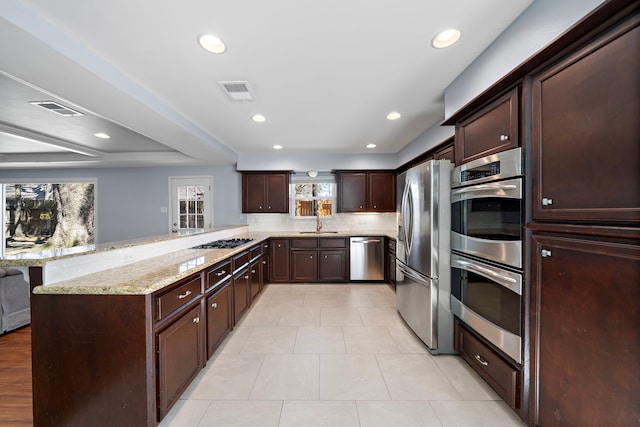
16, 405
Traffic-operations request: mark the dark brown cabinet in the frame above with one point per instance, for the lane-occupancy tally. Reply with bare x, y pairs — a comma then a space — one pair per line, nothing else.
265, 192
304, 259
586, 120
445, 153
241, 292
492, 129
219, 315
390, 262
372, 191
279, 260
500, 374
313, 259
179, 357
586, 339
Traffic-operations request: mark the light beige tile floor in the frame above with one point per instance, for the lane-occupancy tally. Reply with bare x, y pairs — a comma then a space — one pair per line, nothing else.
333, 356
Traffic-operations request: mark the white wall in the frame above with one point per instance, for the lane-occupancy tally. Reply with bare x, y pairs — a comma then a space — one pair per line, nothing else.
323, 162
129, 199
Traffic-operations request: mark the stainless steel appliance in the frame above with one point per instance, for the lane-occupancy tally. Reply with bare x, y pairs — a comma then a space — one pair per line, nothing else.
366, 258
487, 298
422, 253
487, 208
224, 244
486, 248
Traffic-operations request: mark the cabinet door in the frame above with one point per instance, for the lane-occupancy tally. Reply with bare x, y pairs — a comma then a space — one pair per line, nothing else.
585, 335
253, 193
279, 260
255, 277
446, 153
277, 192
332, 265
491, 130
586, 119
219, 316
179, 357
352, 192
382, 192
304, 266
241, 292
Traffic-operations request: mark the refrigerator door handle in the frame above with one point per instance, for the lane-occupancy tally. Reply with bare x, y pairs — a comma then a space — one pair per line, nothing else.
407, 217
412, 275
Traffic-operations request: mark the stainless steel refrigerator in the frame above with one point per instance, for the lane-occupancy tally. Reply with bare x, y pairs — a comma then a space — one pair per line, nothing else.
423, 272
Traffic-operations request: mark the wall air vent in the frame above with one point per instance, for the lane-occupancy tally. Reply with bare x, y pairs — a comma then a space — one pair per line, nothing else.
56, 108
237, 91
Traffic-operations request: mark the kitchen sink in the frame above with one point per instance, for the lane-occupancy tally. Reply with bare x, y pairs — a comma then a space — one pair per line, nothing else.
318, 232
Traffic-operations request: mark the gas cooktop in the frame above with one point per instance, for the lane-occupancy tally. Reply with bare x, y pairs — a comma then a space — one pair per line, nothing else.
223, 244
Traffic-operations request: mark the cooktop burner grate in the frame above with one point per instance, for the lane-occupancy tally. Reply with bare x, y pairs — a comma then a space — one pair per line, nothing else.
223, 244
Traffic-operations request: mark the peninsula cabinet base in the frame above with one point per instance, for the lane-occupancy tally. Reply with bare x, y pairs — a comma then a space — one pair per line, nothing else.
93, 360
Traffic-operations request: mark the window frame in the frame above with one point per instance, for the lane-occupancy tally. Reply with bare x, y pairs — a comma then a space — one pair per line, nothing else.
316, 180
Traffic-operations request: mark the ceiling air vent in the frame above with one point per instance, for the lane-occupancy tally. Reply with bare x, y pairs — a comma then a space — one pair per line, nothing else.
56, 108
237, 91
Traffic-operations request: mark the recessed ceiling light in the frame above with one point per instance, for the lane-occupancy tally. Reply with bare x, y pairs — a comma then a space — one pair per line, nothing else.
212, 43
258, 118
446, 38
277, 147
371, 145
101, 135
394, 115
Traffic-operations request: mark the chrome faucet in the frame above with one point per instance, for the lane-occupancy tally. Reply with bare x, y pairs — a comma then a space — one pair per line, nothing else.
318, 224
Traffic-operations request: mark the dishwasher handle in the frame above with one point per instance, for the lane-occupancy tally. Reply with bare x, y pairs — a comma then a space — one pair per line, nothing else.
366, 241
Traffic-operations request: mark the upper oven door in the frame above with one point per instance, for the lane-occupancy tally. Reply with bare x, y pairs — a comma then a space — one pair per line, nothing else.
486, 221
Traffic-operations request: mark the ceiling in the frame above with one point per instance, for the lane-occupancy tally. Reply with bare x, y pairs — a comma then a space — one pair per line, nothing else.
324, 74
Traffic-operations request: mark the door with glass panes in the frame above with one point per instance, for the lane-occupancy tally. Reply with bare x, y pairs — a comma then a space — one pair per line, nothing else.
191, 203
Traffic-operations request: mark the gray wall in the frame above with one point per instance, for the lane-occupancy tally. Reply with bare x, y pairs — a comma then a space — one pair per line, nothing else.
129, 199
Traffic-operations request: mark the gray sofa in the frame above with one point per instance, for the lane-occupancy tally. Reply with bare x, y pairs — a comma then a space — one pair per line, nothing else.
15, 306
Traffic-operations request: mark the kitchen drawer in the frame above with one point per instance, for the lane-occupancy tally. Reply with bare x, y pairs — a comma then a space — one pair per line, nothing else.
240, 260
304, 243
332, 242
178, 297
218, 274
255, 251
502, 376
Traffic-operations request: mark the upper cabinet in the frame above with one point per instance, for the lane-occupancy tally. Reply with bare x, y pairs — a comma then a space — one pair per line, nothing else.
373, 191
265, 192
585, 124
492, 129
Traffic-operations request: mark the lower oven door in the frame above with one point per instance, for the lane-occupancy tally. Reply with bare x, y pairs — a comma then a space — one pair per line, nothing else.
489, 299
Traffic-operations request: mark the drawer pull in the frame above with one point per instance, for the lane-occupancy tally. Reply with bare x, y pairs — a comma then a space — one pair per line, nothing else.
246, 277
253, 272
264, 262
196, 320
504, 137
214, 305
221, 273
481, 360
183, 296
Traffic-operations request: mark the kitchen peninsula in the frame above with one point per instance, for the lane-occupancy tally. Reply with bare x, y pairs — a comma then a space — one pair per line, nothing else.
120, 344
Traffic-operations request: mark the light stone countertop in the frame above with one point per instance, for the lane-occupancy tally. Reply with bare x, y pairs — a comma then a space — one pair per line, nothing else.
153, 274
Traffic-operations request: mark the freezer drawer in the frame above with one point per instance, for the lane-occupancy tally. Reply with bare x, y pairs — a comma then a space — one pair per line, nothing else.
366, 258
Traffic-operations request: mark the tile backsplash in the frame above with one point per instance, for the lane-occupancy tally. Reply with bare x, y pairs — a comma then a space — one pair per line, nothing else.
366, 222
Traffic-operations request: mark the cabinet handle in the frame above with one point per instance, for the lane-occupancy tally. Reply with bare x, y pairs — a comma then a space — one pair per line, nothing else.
360, 206
246, 277
269, 208
325, 257
545, 253
375, 207
279, 245
214, 305
183, 296
504, 137
481, 360
310, 256
547, 202
221, 273
253, 272
196, 320
264, 262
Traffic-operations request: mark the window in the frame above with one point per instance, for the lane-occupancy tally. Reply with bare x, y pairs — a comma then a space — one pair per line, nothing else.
311, 199
49, 215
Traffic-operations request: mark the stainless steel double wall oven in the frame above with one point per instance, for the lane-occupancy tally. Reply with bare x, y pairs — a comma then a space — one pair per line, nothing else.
487, 215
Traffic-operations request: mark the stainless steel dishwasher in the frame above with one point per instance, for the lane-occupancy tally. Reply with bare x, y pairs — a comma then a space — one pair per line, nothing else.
367, 258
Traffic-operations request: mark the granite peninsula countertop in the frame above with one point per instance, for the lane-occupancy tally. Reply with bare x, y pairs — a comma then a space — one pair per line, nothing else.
150, 275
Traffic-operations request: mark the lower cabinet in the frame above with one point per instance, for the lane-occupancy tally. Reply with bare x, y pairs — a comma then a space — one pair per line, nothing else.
279, 260
179, 357
219, 316
323, 259
255, 282
332, 265
500, 374
241, 283
304, 265
585, 335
